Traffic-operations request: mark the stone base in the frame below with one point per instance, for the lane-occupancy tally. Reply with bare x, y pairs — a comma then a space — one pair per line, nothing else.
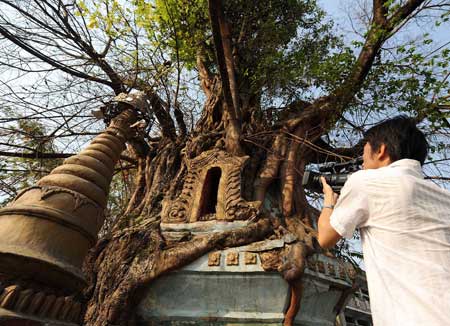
227, 289
204, 323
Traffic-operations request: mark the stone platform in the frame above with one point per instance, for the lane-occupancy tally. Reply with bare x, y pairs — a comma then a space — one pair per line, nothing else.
230, 288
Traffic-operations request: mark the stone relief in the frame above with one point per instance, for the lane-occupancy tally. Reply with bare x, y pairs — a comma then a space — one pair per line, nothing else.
39, 303
211, 191
214, 258
232, 258
250, 258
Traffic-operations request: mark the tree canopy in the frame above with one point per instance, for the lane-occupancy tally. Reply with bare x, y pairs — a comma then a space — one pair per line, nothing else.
61, 59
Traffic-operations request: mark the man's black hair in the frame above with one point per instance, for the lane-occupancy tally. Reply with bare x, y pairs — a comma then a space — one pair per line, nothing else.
401, 137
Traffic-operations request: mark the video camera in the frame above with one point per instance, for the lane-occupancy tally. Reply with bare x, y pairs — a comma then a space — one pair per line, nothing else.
336, 174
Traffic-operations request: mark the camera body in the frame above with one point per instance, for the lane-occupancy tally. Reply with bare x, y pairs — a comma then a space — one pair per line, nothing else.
336, 174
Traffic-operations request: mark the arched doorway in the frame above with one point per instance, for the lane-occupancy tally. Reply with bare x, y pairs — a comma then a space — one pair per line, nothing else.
210, 190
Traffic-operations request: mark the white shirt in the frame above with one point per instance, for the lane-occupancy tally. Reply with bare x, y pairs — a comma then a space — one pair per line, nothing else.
404, 222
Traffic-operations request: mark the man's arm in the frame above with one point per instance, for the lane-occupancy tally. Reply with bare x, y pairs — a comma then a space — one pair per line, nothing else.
327, 235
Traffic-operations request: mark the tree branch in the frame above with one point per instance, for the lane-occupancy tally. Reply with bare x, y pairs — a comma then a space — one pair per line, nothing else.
41, 155
31, 50
162, 115
402, 13
179, 117
205, 75
328, 152
326, 108
229, 61
164, 118
117, 84
232, 124
377, 35
36, 155
379, 12
60, 16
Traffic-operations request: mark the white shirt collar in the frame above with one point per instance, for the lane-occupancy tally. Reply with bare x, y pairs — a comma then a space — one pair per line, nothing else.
411, 166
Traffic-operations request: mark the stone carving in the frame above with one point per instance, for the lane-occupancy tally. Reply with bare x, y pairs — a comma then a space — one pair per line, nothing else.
351, 271
331, 269
214, 258
311, 265
177, 211
212, 190
250, 258
321, 267
9, 296
270, 260
232, 258
30, 302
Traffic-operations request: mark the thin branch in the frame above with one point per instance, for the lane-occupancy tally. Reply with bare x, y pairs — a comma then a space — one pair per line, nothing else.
41, 155
31, 50
36, 155
380, 12
437, 178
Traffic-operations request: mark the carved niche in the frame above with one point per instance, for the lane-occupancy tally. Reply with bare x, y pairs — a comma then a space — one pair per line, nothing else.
211, 191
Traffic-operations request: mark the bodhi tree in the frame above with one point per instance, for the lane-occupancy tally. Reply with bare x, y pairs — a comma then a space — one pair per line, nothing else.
265, 80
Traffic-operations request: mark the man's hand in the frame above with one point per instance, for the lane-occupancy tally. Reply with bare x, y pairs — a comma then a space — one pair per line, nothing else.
330, 197
327, 235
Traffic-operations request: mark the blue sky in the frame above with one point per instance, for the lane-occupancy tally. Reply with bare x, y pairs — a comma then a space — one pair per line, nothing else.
340, 12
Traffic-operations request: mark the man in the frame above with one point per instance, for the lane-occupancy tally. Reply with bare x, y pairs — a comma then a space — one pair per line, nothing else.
404, 223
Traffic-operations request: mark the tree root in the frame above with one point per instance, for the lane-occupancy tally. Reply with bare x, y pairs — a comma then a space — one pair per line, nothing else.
121, 268
296, 292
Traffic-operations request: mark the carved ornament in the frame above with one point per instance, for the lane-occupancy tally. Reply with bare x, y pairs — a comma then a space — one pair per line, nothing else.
28, 301
250, 258
214, 258
232, 258
214, 179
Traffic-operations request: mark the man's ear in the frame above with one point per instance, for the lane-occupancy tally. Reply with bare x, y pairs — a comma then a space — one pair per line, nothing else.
382, 154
